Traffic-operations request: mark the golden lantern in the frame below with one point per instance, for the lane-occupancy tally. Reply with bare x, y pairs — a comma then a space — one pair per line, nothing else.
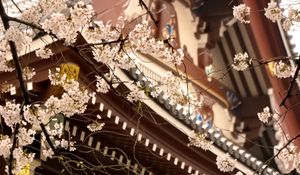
70, 69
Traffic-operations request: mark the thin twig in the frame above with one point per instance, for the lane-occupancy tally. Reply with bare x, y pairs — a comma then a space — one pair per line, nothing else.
293, 81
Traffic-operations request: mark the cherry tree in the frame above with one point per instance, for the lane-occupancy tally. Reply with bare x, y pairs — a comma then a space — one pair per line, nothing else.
66, 22
110, 45
287, 16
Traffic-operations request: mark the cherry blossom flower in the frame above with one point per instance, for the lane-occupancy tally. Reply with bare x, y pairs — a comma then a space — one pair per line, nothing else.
283, 70
58, 24
273, 12
73, 101
25, 137
5, 87
225, 163
106, 54
48, 153
10, 113
4, 54
199, 140
294, 14
265, 115
32, 15
156, 91
135, 94
21, 159
95, 126
36, 114
51, 6
287, 24
5, 146
100, 32
102, 85
4, 67
81, 14
242, 13
18, 37
44, 53
289, 153
28, 73
241, 61
143, 41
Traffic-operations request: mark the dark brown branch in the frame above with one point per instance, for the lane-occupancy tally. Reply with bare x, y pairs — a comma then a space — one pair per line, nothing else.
15, 4
14, 53
5, 19
293, 81
279, 151
120, 40
143, 5
15, 57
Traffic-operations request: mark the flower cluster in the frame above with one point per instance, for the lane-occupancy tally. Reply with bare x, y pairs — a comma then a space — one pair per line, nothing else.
44, 53
113, 56
283, 70
102, 85
101, 32
36, 114
28, 73
51, 6
135, 94
73, 101
65, 144
5, 87
225, 163
199, 140
18, 37
48, 153
95, 126
58, 23
81, 14
241, 61
145, 43
56, 131
4, 54
289, 153
242, 13
10, 113
273, 12
5, 146
56, 78
22, 159
265, 115
55, 134
32, 15
25, 137
292, 18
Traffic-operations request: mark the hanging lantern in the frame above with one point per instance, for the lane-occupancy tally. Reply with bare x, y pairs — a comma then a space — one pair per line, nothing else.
71, 70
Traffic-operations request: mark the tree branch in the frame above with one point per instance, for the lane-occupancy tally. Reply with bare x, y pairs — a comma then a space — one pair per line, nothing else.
143, 5
5, 20
293, 81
